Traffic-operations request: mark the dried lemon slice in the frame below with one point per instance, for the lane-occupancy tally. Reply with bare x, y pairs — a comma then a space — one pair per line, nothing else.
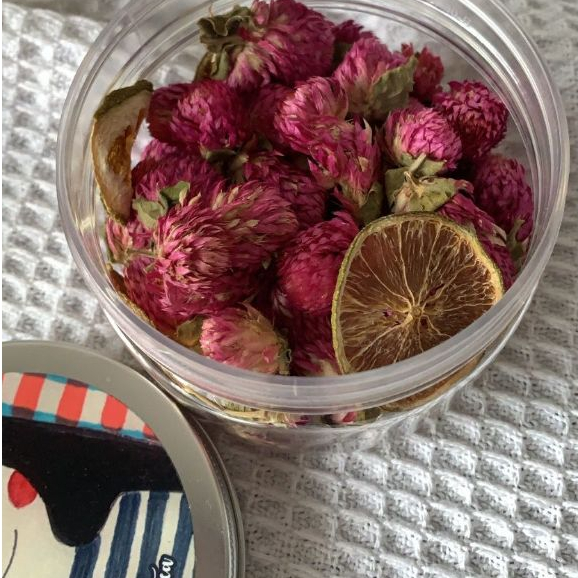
116, 123
408, 282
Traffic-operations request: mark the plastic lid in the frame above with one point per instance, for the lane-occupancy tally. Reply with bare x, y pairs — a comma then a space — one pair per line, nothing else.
105, 476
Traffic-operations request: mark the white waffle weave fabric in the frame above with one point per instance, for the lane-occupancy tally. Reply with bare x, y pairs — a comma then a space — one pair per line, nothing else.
489, 489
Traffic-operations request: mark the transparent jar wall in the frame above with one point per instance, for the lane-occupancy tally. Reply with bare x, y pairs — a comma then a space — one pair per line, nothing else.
160, 41
297, 431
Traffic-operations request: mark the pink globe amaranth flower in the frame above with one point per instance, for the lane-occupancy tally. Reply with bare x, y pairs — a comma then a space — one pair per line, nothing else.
140, 170
145, 288
312, 347
176, 167
122, 240
307, 198
194, 257
317, 102
346, 34
153, 153
428, 72
366, 75
156, 150
187, 297
281, 40
265, 108
259, 220
309, 265
192, 241
476, 113
289, 42
463, 211
211, 116
244, 338
162, 107
346, 156
500, 189
410, 133
350, 31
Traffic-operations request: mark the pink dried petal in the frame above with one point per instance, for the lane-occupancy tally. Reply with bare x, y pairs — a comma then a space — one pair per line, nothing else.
350, 31
345, 155
192, 241
309, 265
360, 73
290, 42
477, 114
428, 73
306, 197
145, 288
195, 254
156, 150
205, 296
211, 116
314, 103
279, 41
153, 153
162, 107
312, 352
502, 191
244, 338
124, 239
258, 219
265, 109
176, 167
410, 133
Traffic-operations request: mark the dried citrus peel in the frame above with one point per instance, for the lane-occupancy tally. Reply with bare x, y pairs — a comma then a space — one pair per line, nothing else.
116, 123
407, 283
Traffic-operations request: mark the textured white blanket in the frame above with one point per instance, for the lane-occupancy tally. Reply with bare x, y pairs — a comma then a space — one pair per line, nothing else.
489, 489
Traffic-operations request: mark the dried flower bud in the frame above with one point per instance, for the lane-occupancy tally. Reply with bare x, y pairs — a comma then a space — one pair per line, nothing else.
244, 338
412, 133
346, 156
210, 116
308, 267
502, 191
375, 79
316, 104
282, 39
476, 113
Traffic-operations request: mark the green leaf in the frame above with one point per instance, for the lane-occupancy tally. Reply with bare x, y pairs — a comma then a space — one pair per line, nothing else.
373, 206
517, 249
425, 168
224, 25
189, 333
394, 179
215, 65
425, 194
149, 212
177, 193
121, 95
392, 90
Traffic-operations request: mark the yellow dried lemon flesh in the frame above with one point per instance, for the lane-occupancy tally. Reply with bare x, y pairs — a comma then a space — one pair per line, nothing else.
408, 282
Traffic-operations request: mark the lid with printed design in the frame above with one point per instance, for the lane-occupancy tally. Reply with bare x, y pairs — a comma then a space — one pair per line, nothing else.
104, 476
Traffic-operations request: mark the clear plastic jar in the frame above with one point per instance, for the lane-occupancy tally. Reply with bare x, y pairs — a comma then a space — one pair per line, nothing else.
159, 40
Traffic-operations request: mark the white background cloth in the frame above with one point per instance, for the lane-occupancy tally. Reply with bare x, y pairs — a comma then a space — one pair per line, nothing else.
488, 489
